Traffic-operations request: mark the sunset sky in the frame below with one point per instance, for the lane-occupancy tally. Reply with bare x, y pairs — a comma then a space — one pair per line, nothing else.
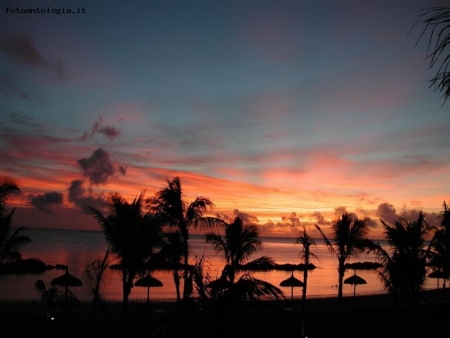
284, 112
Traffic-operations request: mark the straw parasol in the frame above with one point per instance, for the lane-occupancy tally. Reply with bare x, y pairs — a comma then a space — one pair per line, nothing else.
148, 282
354, 280
292, 282
66, 280
437, 274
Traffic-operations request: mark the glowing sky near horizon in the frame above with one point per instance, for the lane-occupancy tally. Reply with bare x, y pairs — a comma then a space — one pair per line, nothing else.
281, 111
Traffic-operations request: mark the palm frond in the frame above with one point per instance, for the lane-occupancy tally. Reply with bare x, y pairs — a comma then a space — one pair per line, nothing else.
10, 244
327, 242
40, 287
260, 264
248, 288
436, 20
219, 245
7, 186
306, 241
94, 274
201, 276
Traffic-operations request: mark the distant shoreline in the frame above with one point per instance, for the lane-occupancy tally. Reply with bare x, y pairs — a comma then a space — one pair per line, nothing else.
194, 233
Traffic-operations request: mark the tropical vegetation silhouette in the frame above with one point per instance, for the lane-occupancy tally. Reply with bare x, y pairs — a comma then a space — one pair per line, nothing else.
54, 297
145, 235
440, 255
436, 22
404, 264
306, 255
133, 236
170, 257
169, 205
349, 237
238, 243
10, 241
94, 276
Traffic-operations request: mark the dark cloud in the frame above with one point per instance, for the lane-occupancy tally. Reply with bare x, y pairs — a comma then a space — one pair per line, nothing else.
46, 202
340, 210
21, 49
109, 132
320, 218
122, 169
245, 217
366, 217
97, 128
269, 226
410, 215
84, 198
292, 220
370, 222
287, 224
413, 214
98, 168
387, 213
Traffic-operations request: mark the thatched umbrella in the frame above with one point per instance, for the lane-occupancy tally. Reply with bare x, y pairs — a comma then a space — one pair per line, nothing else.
148, 282
354, 280
66, 280
292, 282
437, 274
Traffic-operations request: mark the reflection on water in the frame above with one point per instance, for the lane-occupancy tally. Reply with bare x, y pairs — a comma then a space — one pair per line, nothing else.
78, 248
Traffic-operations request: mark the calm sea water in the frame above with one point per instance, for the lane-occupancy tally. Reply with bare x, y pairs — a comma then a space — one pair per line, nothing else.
79, 248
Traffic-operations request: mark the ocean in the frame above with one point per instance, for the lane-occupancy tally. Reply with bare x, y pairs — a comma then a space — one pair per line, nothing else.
76, 249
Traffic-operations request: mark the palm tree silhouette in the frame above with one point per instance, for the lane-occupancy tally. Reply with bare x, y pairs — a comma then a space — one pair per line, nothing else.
169, 205
306, 241
436, 20
348, 239
170, 257
94, 276
53, 296
132, 235
236, 247
440, 259
10, 243
404, 263
201, 277
7, 187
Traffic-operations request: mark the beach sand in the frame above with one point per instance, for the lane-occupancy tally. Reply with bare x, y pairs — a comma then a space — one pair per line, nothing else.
360, 316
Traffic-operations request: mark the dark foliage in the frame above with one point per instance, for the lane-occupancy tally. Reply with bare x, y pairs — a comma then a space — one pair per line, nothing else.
24, 266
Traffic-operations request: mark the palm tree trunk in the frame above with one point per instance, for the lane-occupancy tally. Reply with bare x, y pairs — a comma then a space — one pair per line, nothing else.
305, 282
341, 279
124, 291
128, 284
176, 279
186, 271
303, 306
